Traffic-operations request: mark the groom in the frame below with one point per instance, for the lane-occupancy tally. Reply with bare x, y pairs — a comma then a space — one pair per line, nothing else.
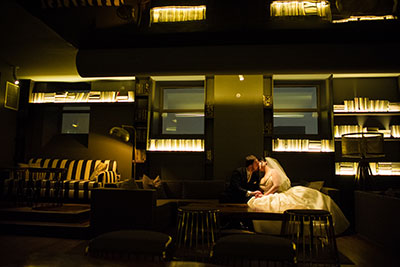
245, 181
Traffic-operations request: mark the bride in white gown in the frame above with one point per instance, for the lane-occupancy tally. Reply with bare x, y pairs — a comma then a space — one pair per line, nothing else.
279, 196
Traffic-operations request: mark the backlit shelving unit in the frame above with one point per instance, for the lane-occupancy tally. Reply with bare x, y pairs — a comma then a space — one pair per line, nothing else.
299, 8
365, 105
187, 145
164, 14
377, 168
364, 18
302, 145
82, 97
392, 132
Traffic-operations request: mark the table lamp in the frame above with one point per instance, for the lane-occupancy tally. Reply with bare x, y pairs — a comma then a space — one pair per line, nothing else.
363, 146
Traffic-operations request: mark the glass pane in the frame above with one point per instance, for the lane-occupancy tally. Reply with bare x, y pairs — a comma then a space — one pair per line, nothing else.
75, 123
183, 98
295, 97
183, 123
295, 123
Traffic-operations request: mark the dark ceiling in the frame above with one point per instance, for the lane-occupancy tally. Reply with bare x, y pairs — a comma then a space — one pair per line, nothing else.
106, 25
110, 24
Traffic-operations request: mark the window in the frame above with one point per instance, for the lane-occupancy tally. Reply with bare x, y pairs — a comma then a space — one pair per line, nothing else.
183, 111
75, 120
296, 110
178, 110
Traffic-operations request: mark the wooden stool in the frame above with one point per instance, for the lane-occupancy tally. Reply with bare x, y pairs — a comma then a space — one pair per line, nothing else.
313, 233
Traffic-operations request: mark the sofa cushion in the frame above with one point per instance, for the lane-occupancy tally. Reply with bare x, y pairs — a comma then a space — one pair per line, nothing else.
173, 189
154, 184
204, 189
76, 169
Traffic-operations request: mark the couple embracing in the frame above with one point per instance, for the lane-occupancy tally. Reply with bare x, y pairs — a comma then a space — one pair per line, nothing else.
256, 179
264, 186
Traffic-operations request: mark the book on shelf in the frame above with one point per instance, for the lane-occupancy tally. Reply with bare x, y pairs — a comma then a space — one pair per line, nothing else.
140, 155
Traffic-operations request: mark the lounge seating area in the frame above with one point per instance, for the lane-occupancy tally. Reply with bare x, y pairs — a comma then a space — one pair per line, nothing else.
58, 180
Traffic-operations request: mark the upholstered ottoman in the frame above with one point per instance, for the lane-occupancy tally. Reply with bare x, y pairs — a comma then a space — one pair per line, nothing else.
234, 249
130, 244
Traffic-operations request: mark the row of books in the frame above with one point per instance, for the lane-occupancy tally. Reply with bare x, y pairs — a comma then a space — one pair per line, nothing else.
302, 145
339, 130
140, 155
377, 168
300, 8
177, 13
82, 97
176, 145
364, 104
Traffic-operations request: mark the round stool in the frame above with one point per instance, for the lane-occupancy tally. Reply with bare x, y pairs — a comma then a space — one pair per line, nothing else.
313, 233
197, 229
246, 249
130, 244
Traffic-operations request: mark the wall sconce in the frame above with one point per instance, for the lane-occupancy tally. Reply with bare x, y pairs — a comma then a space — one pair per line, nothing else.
16, 81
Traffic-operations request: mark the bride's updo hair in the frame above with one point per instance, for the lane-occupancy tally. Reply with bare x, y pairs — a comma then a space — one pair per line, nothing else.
250, 159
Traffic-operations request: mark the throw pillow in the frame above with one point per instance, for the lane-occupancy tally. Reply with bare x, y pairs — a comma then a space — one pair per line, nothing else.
23, 165
156, 183
99, 168
128, 184
317, 185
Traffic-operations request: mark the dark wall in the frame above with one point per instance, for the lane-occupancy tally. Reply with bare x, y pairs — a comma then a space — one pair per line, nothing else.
8, 120
45, 138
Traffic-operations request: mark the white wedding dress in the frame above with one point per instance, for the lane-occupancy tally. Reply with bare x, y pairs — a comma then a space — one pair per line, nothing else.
297, 197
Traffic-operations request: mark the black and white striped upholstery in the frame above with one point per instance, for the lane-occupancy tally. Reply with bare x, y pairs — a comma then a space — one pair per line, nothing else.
77, 184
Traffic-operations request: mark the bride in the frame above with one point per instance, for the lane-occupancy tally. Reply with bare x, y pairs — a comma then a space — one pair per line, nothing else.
279, 196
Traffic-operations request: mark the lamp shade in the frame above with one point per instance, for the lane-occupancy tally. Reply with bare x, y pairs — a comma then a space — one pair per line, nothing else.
120, 132
362, 145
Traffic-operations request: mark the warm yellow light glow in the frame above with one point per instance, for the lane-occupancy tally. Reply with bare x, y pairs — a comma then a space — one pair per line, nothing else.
82, 97
395, 131
300, 8
362, 75
241, 77
74, 78
302, 145
177, 13
377, 168
361, 18
191, 145
364, 104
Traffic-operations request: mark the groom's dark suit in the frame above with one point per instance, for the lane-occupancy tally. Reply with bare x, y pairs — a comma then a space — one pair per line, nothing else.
239, 185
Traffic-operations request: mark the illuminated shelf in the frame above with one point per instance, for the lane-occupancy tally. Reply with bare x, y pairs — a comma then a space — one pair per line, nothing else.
311, 8
364, 18
393, 132
370, 113
302, 145
83, 97
377, 168
360, 105
177, 13
169, 145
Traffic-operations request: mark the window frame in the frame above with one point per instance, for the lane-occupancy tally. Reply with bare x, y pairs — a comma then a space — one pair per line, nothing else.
158, 107
72, 109
317, 85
